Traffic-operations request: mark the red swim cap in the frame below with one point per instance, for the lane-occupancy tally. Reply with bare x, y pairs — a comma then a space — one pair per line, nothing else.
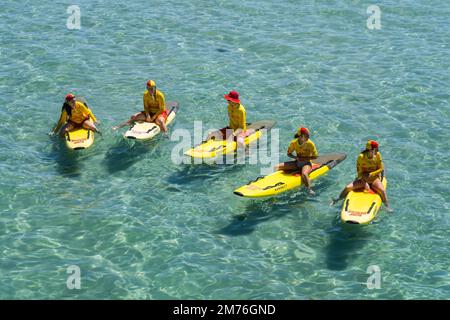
302, 130
371, 144
70, 97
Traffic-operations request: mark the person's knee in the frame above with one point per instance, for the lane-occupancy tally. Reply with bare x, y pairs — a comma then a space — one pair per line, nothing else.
88, 125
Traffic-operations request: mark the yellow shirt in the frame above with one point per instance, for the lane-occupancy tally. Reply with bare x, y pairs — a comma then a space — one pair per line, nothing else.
237, 117
366, 165
78, 114
154, 104
307, 149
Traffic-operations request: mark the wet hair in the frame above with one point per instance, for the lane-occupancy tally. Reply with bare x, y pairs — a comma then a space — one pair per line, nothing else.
297, 135
367, 150
67, 107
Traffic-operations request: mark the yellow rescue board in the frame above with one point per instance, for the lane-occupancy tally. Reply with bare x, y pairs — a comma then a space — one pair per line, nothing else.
213, 148
280, 181
79, 139
361, 207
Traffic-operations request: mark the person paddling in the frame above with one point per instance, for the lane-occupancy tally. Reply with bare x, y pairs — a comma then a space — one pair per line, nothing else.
75, 114
154, 108
305, 151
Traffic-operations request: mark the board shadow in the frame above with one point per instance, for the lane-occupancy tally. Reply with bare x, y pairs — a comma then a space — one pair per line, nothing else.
263, 210
125, 153
67, 160
190, 173
345, 243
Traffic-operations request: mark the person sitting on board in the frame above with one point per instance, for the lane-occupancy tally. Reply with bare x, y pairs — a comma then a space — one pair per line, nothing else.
237, 116
75, 114
305, 151
154, 108
369, 167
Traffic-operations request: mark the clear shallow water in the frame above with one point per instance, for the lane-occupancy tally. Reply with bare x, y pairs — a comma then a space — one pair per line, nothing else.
141, 227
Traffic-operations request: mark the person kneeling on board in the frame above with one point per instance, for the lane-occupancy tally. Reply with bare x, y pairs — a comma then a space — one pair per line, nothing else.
237, 121
305, 151
154, 108
75, 114
369, 167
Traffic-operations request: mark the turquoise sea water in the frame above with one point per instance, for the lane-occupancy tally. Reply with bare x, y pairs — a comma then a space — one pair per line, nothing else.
140, 227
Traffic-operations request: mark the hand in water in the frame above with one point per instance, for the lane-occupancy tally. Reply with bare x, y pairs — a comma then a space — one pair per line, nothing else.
389, 209
311, 192
51, 134
333, 202
115, 128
